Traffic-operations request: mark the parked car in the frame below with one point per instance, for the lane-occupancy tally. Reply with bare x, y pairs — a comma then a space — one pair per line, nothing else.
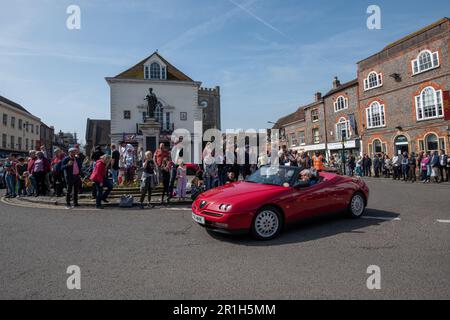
274, 197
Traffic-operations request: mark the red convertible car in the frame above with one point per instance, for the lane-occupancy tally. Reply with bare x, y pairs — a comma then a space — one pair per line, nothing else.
273, 197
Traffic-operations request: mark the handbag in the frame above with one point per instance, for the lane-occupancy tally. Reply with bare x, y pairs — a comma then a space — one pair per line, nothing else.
126, 201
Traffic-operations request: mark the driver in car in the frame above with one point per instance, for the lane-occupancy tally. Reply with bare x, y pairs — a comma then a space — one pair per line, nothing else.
307, 177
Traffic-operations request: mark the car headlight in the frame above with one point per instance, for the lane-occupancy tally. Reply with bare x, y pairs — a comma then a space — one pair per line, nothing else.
225, 207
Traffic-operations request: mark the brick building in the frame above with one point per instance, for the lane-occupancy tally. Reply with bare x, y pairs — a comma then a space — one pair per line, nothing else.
403, 93
293, 130
47, 137
399, 101
315, 126
342, 117
304, 130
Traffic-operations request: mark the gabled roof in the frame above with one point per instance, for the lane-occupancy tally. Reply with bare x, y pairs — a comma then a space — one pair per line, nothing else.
298, 115
13, 104
342, 87
137, 71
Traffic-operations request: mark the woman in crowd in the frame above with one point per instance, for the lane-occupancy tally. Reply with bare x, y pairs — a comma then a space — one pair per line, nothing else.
148, 178
211, 172
100, 178
425, 168
412, 167
21, 168
130, 163
181, 181
358, 169
57, 175
166, 167
10, 177
41, 167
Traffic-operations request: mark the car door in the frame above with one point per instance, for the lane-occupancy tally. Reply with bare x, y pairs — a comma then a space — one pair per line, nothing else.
309, 201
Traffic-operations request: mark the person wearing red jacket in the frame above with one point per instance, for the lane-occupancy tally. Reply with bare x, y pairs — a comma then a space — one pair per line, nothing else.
99, 178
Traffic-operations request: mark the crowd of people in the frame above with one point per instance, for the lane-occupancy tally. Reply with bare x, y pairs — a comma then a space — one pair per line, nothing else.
66, 174
425, 167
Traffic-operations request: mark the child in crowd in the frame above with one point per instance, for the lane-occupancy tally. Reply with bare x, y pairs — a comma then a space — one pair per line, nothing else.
181, 181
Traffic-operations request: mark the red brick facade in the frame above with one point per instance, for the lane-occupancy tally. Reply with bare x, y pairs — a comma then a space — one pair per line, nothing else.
399, 90
403, 106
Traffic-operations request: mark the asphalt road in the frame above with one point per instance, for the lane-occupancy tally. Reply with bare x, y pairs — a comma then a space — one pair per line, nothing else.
162, 254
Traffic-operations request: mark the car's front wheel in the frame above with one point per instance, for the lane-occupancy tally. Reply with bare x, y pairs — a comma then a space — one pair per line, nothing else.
267, 224
357, 206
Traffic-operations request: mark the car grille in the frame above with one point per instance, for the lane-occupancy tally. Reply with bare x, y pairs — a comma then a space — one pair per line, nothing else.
217, 215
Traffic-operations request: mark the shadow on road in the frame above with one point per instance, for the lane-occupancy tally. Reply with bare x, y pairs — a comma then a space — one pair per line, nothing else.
313, 229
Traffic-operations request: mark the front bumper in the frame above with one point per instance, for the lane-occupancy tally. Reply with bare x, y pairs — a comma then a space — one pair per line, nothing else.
232, 223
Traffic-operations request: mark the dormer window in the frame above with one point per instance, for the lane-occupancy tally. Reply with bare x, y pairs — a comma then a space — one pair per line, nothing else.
373, 80
155, 71
426, 60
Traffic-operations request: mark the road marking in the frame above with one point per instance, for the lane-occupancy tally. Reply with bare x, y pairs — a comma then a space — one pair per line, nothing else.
443, 221
178, 209
382, 218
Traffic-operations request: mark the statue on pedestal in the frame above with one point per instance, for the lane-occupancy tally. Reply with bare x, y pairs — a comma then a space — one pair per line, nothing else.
152, 102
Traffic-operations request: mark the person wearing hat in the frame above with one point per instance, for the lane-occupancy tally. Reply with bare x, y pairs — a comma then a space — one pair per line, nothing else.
71, 167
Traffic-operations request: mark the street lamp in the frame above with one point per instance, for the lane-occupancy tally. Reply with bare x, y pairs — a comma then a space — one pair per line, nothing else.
343, 154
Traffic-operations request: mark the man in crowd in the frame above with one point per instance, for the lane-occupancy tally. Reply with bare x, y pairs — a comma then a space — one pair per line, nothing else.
71, 167
160, 154
115, 159
367, 164
443, 166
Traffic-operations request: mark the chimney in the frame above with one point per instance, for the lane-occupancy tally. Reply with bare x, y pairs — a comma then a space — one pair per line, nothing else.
318, 96
336, 83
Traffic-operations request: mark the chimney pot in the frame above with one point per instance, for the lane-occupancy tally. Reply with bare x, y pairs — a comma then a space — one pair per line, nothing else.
336, 83
318, 96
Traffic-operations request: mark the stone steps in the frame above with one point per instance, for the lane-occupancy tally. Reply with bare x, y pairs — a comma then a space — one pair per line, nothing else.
86, 201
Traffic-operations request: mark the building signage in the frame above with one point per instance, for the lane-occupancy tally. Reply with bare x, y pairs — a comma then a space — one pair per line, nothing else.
338, 145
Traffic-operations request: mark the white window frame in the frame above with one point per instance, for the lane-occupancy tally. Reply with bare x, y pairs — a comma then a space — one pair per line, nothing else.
313, 111
314, 136
435, 62
337, 104
379, 81
148, 71
301, 141
418, 100
369, 116
294, 139
338, 129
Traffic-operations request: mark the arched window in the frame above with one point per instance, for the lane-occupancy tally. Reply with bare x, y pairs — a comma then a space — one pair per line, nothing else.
373, 80
340, 104
377, 146
375, 115
342, 130
425, 61
432, 142
155, 71
429, 104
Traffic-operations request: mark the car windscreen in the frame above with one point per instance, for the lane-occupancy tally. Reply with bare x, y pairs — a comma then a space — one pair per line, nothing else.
278, 176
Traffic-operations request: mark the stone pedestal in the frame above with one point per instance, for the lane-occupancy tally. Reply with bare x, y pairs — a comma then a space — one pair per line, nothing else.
151, 130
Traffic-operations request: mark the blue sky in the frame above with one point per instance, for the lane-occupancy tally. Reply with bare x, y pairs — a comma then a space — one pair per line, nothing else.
268, 56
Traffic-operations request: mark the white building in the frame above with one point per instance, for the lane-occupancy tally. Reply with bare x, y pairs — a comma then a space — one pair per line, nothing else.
19, 129
177, 93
